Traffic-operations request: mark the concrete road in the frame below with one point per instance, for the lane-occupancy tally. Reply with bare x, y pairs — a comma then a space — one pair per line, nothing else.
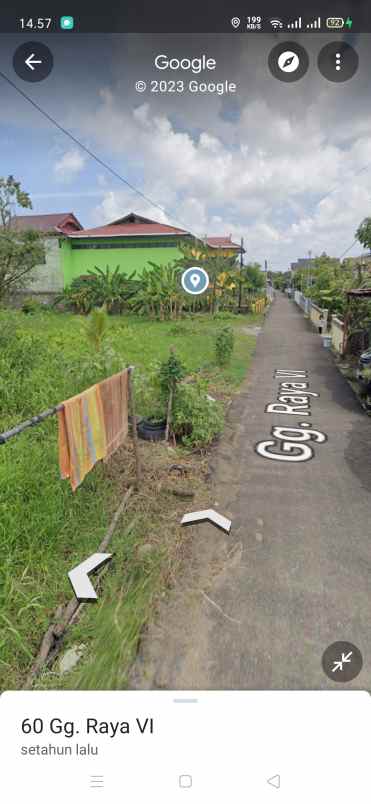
257, 608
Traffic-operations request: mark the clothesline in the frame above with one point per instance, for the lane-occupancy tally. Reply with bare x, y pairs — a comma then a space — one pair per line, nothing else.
4, 437
19, 428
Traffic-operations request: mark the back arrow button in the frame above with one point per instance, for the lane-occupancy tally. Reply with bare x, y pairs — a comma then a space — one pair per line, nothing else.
33, 61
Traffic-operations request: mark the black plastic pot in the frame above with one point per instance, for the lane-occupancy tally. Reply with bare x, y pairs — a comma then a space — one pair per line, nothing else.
151, 431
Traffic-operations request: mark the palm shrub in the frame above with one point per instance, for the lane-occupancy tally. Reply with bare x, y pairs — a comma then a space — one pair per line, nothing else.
97, 327
97, 288
113, 288
80, 296
159, 294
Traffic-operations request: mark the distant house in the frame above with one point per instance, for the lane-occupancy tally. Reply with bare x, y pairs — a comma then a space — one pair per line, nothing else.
225, 245
48, 276
302, 264
129, 242
363, 260
308, 263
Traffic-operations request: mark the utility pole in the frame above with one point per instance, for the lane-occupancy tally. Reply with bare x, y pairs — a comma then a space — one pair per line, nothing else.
240, 282
310, 269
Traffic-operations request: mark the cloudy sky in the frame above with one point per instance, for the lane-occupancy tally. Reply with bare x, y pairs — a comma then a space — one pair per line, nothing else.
286, 166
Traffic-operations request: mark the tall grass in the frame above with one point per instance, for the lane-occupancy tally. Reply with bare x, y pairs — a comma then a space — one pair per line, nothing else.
45, 529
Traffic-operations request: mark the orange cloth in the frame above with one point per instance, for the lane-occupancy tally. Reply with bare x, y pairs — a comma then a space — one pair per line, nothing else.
114, 396
92, 425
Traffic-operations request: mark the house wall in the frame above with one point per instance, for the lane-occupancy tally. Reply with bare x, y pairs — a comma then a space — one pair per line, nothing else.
129, 257
47, 278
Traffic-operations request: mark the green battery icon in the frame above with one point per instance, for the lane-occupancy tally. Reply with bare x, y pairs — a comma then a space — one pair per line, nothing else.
67, 23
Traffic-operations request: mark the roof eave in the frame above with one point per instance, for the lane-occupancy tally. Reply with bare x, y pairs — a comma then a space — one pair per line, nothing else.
132, 234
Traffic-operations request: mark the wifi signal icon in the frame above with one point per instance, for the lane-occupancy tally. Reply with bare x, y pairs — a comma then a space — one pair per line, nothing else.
276, 23
235, 22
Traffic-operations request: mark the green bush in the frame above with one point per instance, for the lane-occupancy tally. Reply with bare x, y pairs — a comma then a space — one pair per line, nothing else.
224, 345
196, 420
225, 316
31, 306
80, 296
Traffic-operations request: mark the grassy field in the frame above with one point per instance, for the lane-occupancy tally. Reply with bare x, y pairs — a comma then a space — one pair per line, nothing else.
45, 529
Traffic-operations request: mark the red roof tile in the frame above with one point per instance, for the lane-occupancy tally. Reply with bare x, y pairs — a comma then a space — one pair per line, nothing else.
222, 242
131, 225
130, 230
64, 222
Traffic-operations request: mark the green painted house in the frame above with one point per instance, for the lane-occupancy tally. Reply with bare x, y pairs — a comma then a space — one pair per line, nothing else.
130, 243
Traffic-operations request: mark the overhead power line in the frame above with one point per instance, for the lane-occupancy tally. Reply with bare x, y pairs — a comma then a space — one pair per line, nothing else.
126, 182
93, 155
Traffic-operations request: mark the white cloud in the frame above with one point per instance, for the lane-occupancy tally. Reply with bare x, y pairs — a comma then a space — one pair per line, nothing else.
286, 172
69, 165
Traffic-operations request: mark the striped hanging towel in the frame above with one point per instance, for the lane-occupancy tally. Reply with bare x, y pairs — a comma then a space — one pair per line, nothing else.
82, 435
114, 396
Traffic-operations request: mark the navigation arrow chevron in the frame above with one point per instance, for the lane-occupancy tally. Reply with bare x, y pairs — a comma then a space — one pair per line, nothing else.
81, 585
209, 515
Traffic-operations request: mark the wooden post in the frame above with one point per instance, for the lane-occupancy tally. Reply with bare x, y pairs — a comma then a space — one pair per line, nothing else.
138, 472
168, 413
240, 278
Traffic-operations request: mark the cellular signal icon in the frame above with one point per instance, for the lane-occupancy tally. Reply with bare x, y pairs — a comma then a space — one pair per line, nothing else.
295, 24
315, 24
276, 23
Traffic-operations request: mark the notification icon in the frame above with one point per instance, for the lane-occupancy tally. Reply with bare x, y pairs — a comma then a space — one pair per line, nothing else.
67, 23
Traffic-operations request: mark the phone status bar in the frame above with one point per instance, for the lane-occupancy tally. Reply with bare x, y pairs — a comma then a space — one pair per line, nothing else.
167, 17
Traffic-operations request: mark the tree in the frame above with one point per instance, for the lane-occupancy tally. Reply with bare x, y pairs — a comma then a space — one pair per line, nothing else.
253, 277
363, 233
220, 268
280, 279
20, 251
11, 193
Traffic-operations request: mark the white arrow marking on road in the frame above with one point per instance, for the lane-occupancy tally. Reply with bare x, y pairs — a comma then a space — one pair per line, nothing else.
31, 61
275, 781
81, 585
344, 660
208, 516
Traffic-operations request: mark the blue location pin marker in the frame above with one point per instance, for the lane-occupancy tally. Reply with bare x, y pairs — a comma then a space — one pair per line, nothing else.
195, 281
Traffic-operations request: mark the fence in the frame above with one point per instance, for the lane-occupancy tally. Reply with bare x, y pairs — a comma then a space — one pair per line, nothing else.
318, 317
46, 414
302, 301
258, 305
